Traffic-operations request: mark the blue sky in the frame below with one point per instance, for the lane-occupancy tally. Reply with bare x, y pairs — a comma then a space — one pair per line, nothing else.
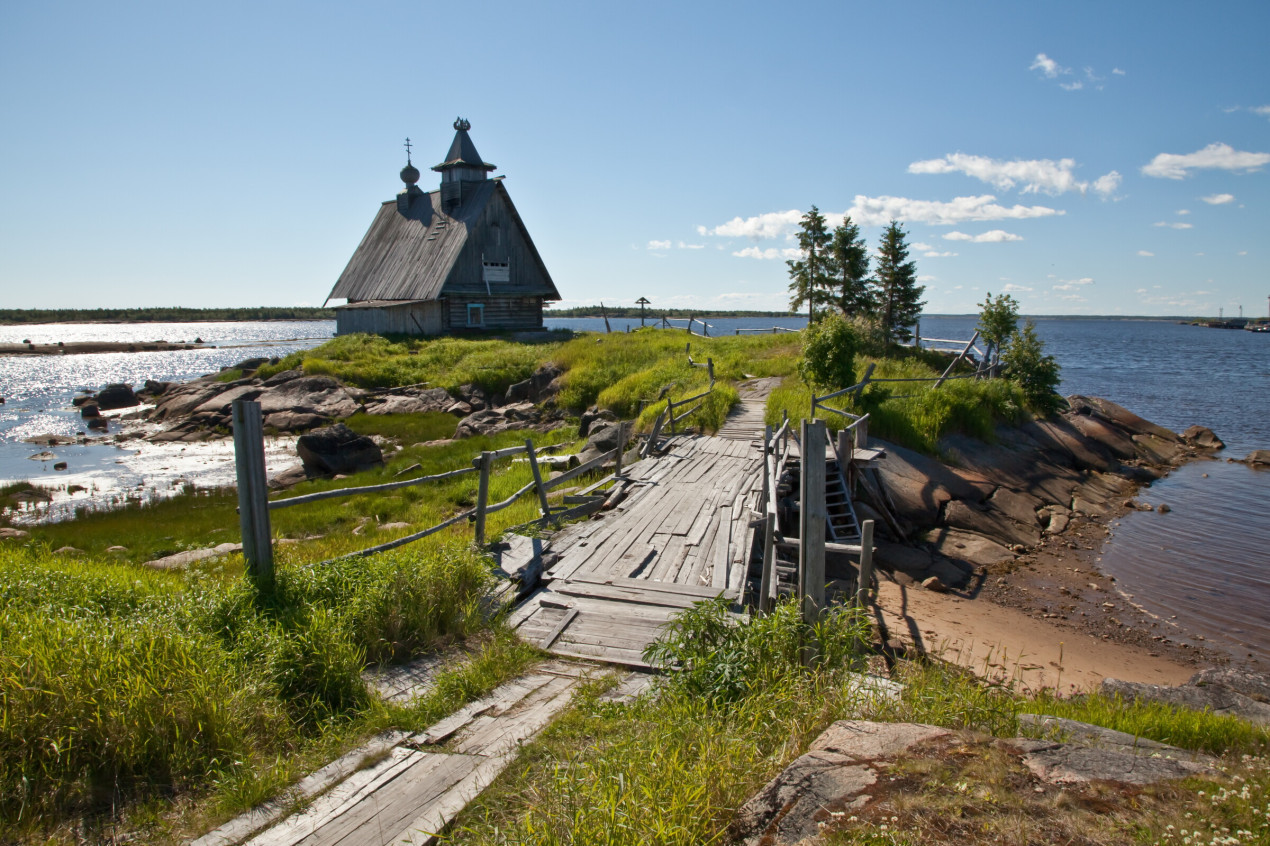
1089, 158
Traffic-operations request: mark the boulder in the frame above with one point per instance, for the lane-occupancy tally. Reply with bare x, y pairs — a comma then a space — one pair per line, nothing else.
493, 420
338, 449
1119, 415
13, 534
1213, 697
1253, 685
294, 421
155, 388
283, 377
413, 402
117, 395
97, 423
1099, 431
537, 387
1060, 438
1202, 437
590, 416
309, 394
89, 410
972, 549
474, 396
1157, 450
1075, 763
222, 403
1258, 458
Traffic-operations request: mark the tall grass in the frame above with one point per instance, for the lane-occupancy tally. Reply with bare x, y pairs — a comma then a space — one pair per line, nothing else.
119, 683
913, 414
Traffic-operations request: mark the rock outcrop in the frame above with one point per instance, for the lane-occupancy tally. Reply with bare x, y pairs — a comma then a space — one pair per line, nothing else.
992, 500
851, 768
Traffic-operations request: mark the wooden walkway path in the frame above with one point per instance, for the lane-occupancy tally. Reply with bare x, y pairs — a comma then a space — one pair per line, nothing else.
682, 535
419, 782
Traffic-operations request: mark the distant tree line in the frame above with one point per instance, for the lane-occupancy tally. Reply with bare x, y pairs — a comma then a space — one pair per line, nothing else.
833, 276
656, 313
160, 315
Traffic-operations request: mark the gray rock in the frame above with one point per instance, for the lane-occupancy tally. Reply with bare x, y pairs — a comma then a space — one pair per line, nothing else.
493, 420
1157, 450
221, 403
1059, 437
934, 584
1099, 431
1119, 415
14, 534
338, 449
294, 421
906, 559
1202, 437
1092, 735
1216, 698
89, 410
1258, 458
992, 524
1019, 507
791, 807
1253, 685
1069, 763
590, 416
537, 388
418, 402
117, 395
180, 560
974, 550
285, 376
309, 394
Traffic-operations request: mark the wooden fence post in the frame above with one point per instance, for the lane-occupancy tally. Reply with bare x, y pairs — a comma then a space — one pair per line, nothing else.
621, 448
253, 492
862, 433
767, 441
670, 413
865, 581
482, 497
812, 516
767, 588
542, 492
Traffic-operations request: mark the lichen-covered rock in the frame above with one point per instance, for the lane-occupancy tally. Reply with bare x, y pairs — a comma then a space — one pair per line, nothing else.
1202, 437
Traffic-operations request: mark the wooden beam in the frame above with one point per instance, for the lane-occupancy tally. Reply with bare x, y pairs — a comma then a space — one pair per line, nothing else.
812, 516
253, 492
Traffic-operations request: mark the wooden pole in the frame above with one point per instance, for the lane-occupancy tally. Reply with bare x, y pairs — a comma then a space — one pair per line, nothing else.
767, 586
865, 581
482, 497
917, 336
812, 516
621, 448
710, 370
542, 492
767, 438
670, 412
605, 315
959, 357
253, 492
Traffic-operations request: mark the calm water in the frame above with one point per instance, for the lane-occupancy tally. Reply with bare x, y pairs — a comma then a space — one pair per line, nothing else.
1206, 563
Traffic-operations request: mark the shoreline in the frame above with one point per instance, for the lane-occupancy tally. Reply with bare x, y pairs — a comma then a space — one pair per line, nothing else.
90, 347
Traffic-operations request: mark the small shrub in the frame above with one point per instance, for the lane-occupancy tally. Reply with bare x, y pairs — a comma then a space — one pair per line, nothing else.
829, 350
1027, 365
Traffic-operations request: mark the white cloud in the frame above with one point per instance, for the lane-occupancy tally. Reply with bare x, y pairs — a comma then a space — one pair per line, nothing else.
1033, 175
878, 211
659, 245
1183, 211
759, 227
1264, 111
925, 279
1071, 86
921, 245
1146, 253
1117, 71
1048, 67
1213, 157
1073, 284
1218, 199
1140, 291
1242, 253
1107, 184
937, 254
1014, 289
1166, 225
994, 236
684, 246
769, 253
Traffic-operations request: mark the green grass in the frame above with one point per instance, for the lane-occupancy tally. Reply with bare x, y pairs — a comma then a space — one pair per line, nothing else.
122, 685
912, 414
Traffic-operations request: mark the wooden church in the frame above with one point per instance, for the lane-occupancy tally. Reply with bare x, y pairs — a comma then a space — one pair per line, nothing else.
450, 261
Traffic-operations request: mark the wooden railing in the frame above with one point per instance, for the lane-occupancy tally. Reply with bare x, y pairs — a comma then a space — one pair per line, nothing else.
811, 541
254, 506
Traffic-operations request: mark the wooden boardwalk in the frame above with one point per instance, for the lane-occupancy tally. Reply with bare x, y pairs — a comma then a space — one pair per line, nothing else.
682, 535
415, 784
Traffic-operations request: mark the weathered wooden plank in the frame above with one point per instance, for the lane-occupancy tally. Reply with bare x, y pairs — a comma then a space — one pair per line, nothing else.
721, 553
499, 736
637, 595
423, 829
558, 629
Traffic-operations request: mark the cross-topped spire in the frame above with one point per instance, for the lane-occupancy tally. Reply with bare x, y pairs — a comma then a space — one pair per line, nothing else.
407, 146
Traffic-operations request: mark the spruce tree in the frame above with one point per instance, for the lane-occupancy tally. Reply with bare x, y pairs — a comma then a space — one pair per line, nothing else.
899, 296
849, 270
808, 278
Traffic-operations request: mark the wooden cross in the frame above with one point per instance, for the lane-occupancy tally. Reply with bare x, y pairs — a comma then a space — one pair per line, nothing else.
407, 145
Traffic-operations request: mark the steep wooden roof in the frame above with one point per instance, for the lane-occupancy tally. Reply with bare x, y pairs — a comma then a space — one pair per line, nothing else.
409, 255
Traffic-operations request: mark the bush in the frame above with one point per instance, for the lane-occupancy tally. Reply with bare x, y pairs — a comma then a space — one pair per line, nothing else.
1027, 365
829, 351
